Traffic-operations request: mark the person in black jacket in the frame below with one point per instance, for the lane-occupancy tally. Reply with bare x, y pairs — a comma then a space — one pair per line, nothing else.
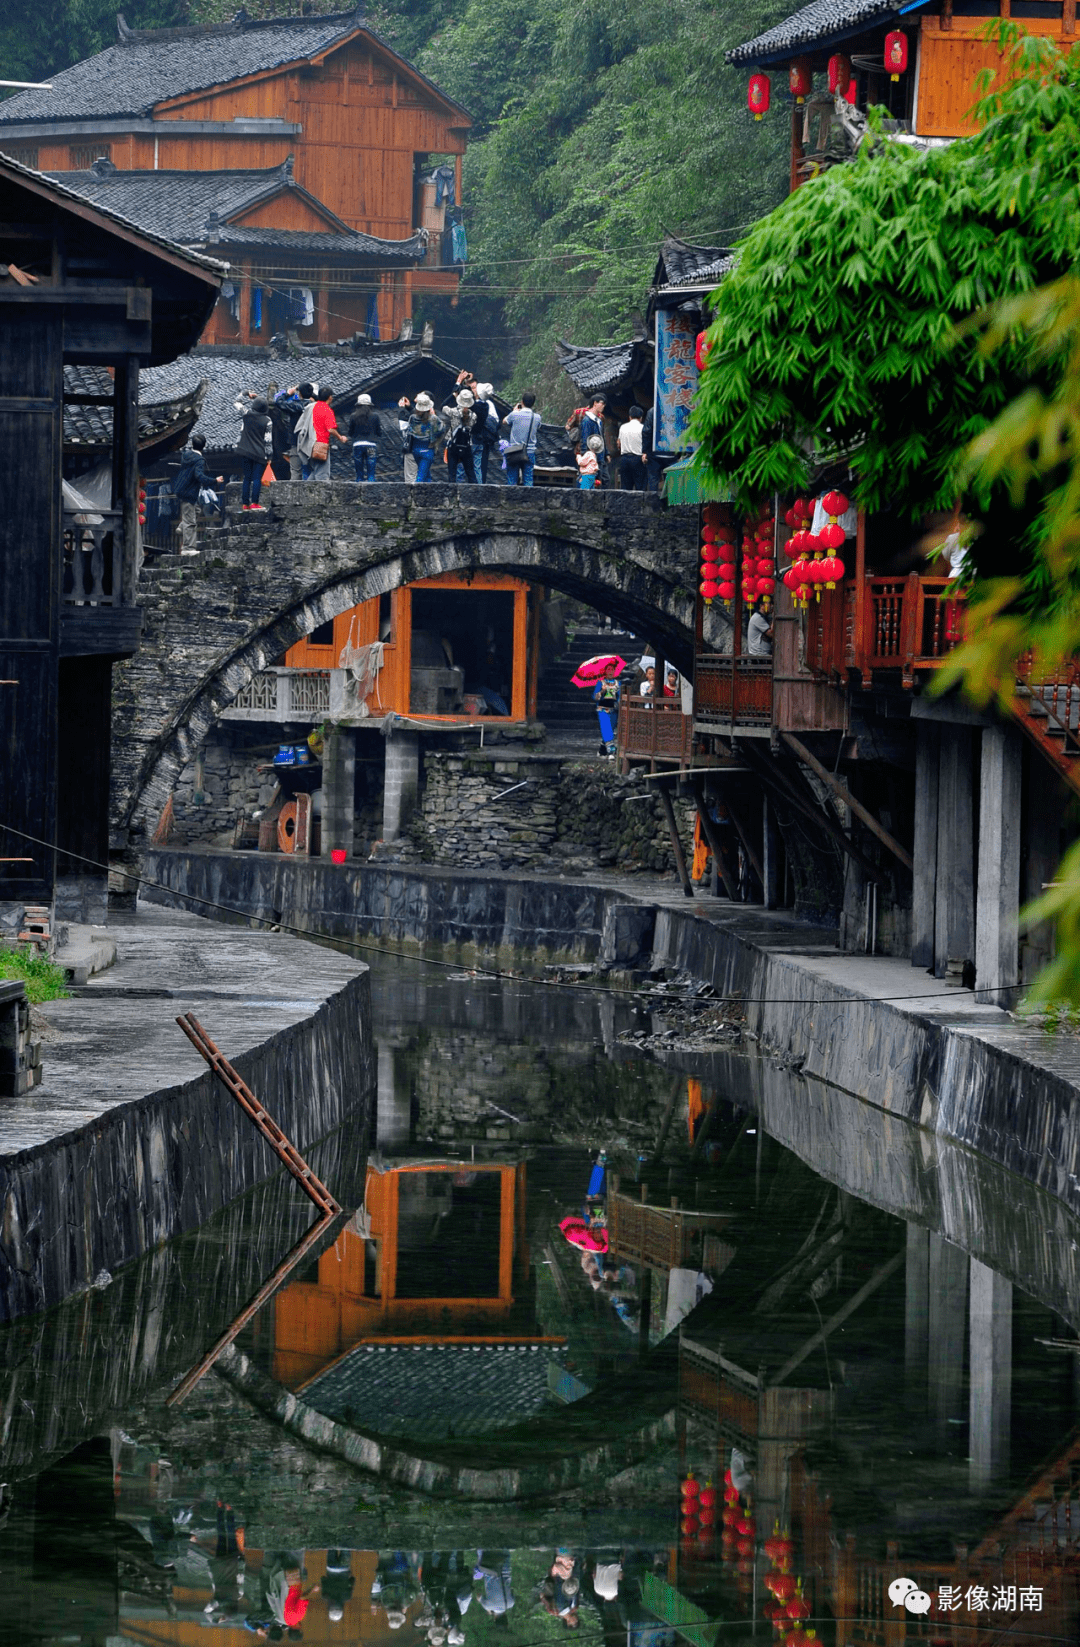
365, 431
251, 450
191, 479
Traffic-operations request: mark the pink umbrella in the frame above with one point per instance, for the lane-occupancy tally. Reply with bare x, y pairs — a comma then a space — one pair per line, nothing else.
593, 669
580, 1234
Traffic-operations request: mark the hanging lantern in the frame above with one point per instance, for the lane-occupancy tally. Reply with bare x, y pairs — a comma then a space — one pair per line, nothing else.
802, 543
701, 350
835, 504
689, 1487
708, 533
731, 1496
689, 1526
747, 1527
839, 73
727, 592
709, 592
804, 510
832, 536
896, 53
791, 521
798, 1607
758, 95
833, 568
778, 1546
782, 1586
707, 1496
713, 514
710, 551
800, 79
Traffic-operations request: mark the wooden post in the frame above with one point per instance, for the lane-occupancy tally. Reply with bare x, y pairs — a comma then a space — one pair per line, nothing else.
747, 844
126, 466
676, 844
862, 598
849, 800
713, 838
1068, 17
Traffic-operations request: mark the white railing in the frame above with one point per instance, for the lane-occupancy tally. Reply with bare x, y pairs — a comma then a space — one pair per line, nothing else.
93, 559
282, 695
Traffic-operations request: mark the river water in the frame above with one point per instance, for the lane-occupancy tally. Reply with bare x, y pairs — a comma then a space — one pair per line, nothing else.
860, 1345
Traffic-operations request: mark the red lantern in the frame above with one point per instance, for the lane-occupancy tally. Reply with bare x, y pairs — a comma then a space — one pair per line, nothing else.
710, 551
852, 92
839, 73
747, 1527
731, 1496
701, 350
835, 504
803, 510
709, 591
727, 592
831, 536
707, 1496
791, 521
689, 1526
758, 95
800, 79
727, 555
708, 533
782, 1586
766, 587
896, 53
778, 1546
803, 543
798, 1607
689, 1487
745, 1547
833, 568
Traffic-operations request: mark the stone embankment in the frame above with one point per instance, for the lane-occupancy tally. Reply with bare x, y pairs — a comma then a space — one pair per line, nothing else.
918, 1048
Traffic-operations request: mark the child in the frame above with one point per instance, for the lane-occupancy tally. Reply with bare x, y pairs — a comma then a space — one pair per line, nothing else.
589, 464
606, 698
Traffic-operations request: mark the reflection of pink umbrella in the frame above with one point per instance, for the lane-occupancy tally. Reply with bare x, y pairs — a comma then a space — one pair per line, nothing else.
580, 1234
593, 669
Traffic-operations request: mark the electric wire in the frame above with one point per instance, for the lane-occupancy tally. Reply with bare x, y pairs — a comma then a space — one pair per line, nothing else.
273, 924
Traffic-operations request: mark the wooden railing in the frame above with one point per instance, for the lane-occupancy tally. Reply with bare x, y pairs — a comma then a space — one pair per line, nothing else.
94, 560
654, 730
662, 1237
899, 623
732, 693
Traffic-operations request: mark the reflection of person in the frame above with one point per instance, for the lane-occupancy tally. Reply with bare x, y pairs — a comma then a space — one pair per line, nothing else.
288, 1599
493, 1571
338, 1583
225, 1564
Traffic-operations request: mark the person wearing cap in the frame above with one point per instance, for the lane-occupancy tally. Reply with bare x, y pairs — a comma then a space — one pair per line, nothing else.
365, 431
423, 431
462, 452
487, 426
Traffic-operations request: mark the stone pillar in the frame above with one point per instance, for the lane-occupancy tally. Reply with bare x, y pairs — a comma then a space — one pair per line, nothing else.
947, 1273
997, 944
339, 790
770, 855
402, 782
916, 1307
954, 904
927, 745
991, 1376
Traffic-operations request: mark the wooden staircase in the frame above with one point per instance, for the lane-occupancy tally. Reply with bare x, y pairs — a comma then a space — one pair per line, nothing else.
1048, 712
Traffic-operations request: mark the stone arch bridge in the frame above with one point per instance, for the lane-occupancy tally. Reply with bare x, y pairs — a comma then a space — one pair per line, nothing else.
265, 581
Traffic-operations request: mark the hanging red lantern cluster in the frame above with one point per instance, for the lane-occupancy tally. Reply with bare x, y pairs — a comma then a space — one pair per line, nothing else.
718, 555
896, 53
800, 79
758, 567
839, 73
759, 95
831, 537
799, 548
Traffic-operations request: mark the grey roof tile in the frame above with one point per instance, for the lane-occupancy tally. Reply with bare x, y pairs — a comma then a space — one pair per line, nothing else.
160, 412
178, 205
819, 21
604, 366
148, 67
682, 264
433, 1391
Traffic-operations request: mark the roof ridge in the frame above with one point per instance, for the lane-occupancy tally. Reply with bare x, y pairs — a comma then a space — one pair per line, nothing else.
241, 23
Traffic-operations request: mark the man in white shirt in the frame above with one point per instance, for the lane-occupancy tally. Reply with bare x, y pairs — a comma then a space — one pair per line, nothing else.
631, 462
759, 635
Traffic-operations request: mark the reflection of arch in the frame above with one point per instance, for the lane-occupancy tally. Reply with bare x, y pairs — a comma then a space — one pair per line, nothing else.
648, 588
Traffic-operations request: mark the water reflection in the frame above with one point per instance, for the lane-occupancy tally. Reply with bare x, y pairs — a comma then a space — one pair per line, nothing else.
861, 1341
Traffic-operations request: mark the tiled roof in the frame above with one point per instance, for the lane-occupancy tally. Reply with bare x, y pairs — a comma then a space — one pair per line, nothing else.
819, 21
179, 204
433, 1391
160, 413
17, 170
147, 67
682, 264
605, 367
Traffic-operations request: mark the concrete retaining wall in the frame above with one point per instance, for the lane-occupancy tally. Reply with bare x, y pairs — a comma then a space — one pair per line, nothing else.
966, 1073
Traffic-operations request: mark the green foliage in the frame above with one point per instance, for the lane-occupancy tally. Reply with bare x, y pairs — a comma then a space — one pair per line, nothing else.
39, 40
842, 329
43, 980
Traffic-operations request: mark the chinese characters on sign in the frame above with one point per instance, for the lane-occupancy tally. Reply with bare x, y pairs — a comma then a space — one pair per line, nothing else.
676, 380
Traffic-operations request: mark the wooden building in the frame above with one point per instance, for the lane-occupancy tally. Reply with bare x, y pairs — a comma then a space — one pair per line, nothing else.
366, 129
80, 288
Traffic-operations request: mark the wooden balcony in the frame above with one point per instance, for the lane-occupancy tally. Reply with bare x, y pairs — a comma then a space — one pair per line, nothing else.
98, 614
902, 624
654, 731
664, 1238
733, 694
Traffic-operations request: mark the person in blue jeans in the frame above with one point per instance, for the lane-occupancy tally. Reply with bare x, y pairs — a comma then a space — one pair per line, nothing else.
365, 432
422, 433
523, 426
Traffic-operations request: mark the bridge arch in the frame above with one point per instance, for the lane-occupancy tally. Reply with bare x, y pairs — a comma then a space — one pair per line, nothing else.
264, 582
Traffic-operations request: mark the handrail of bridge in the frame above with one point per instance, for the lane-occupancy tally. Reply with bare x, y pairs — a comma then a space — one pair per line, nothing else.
653, 730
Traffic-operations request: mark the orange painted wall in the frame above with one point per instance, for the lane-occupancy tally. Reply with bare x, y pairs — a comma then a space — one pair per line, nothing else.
394, 680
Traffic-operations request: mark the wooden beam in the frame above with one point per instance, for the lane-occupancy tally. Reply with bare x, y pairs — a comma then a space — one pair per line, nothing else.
879, 1277
676, 844
781, 783
876, 829
748, 845
713, 838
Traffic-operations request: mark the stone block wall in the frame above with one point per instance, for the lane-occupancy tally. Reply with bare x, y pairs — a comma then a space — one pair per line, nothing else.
224, 782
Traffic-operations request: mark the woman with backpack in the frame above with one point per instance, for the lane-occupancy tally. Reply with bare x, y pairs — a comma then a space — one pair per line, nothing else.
461, 447
252, 451
487, 427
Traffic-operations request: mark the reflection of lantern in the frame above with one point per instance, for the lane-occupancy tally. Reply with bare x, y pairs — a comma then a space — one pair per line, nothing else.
758, 94
689, 1526
800, 79
839, 73
896, 53
798, 1607
745, 1547
782, 1586
707, 1496
688, 1488
778, 1546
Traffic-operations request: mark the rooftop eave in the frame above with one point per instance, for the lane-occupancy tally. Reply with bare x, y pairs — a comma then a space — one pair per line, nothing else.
745, 57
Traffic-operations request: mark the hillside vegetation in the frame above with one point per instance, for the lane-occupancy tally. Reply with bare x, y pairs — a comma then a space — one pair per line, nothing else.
597, 126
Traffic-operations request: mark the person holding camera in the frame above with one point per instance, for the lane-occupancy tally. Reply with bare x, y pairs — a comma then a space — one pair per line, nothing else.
523, 426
